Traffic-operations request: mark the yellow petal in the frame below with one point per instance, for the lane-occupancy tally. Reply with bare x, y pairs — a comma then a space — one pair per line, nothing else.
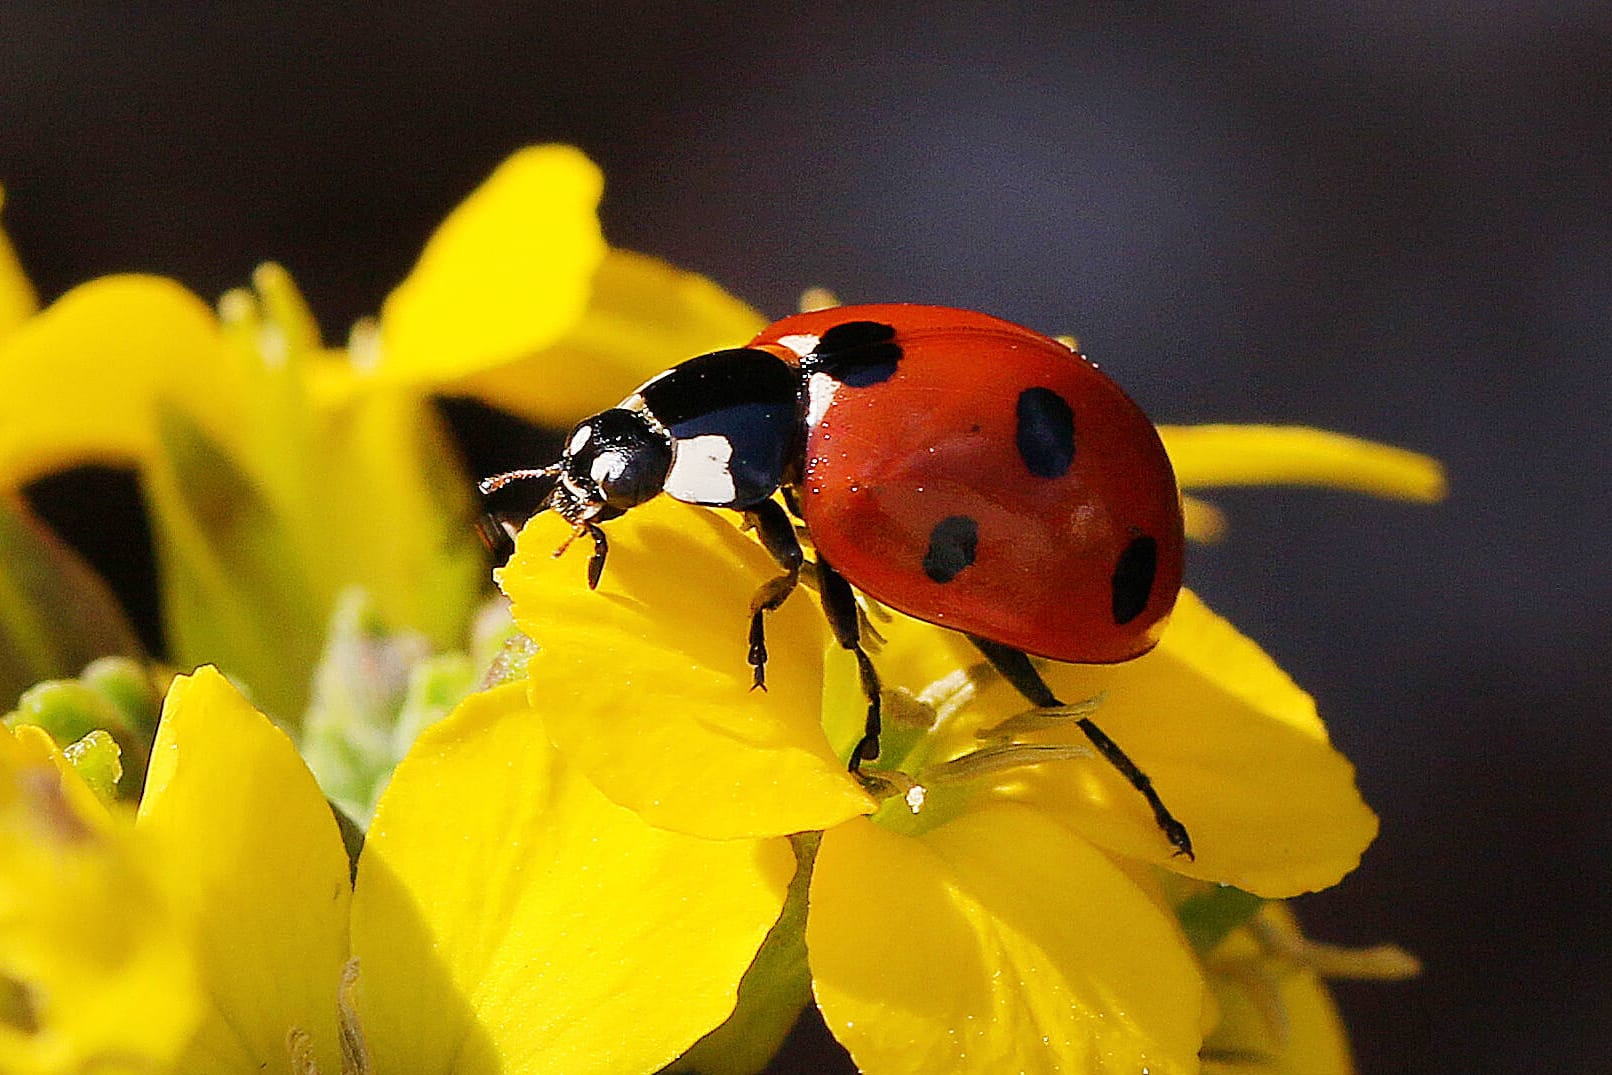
18, 300
94, 972
253, 858
56, 613
1211, 455
1204, 521
644, 686
1234, 748
1318, 1043
507, 272
257, 538
236, 586
1276, 1016
997, 942
390, 463
510, 919
80, 383
643, 317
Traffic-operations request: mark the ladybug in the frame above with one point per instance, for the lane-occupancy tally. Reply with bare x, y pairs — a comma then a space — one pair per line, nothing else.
954, 466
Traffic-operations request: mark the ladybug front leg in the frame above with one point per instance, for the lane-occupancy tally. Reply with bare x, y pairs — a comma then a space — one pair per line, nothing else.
845, 619
1016, 668
777, 535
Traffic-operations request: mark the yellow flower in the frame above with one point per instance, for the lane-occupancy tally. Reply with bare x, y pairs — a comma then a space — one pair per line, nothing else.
93, 971
17, 299
1001, 915
279, 472
505, 916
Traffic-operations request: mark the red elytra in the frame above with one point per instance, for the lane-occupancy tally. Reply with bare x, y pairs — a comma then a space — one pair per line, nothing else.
995, 482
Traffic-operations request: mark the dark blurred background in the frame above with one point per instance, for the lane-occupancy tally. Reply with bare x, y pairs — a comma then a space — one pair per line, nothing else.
1389, 219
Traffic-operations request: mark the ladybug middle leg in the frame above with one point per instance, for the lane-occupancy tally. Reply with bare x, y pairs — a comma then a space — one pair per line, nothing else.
777, 535
1016, 668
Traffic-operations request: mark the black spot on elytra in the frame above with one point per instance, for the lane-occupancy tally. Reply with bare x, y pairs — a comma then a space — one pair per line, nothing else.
856, 353
1133, 578
1046, 432
952, 544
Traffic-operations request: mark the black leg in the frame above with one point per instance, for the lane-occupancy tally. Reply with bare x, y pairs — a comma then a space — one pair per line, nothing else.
844, 618
792, 501
777, 535
601, 549
1017, 670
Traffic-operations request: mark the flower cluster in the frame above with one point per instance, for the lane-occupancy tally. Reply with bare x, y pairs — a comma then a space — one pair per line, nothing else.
353, 839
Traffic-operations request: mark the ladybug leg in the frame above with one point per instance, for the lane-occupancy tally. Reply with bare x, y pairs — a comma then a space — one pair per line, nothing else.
844, 618
792, 500
1016, 668
777, 535
596, 561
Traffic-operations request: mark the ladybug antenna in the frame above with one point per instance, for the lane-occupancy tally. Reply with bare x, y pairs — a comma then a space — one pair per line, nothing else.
489, 486
511, 498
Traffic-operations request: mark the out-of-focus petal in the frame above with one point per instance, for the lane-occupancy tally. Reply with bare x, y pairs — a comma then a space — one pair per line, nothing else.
509, 918
398, 516
1204, 521
1276, 1017
252, 856
238, 586
642, 317
505, 275
95, 974
1211, 455
56, 614
643, 683
82, 381
18, 300
997, 942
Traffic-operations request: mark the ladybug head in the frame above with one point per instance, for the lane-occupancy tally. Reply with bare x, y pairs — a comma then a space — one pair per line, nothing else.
612, 461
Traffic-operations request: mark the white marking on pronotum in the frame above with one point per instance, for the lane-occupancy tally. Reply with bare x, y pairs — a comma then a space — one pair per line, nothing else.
700, 473
820, 389
802, 344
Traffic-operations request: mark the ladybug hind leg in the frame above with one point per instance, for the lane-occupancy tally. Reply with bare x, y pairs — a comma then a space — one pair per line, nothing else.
1015, 667
777, 535
845, 620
